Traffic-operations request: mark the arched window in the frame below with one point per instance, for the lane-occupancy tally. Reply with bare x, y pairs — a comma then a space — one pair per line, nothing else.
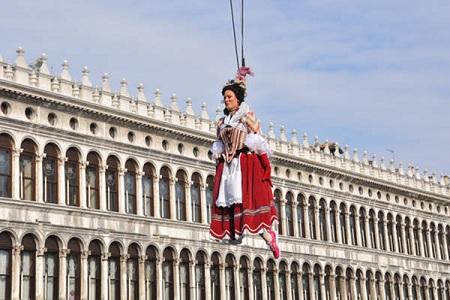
130, 186
215, 276
114, 271
433, 240
343, 229
423, 288
306, 270
447, 289
28, 170
278, 197
425, 240
333, 224
133, 272
270, 280
339, 284
441, 237
243, 278
406, 294
288, 210
415, 288
51, 268
390, 232
370, 293
147, 190
362, 227
440, 290
323, 220
317, 282
352, 222
282, 281
72, 166
28, 268
200, 261
416, 233
397, 284
229, 277
6, 146
167, 273
50, 173
387, 287
348, 283
164, 192
381, 231
94, 270
312, 217
180, 193
196, 181
112, 178
73, 269
328, 278
150, 273
92, 181
209, 196
431, 289
5, 265
408, 238
378, 285
398, 231
447, 237
295, 270
184, 274
300, 215
359, 284
372, 229
257, 279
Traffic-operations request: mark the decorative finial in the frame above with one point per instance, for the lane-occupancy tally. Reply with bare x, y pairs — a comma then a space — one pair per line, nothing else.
283, 137
218, 113
157, 100
173, 103
105, 83
65, 71
305, 140
189, 109
42, 64
294, 140
124, 88
20, 59
141, 95
85, 77
355, 155
204, 114
271, 132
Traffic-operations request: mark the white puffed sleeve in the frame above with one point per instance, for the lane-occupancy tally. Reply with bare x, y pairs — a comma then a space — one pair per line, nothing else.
217, 149
255, 142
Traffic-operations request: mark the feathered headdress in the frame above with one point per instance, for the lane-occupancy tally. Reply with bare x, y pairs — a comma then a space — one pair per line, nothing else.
240, 78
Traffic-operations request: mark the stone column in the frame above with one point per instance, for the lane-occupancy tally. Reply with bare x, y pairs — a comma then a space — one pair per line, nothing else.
176, 278
294, 218
192, 279
237, 286
376, 229
288, 285
121, 191
306, 219
102, 187
343, 287
367, 229
382, 291
222, 281
142, 259
327, 220
283, 220
84, 274
386, 244
104, 275
332, 290
263, 283
412, 241
437, 245
300, 285
430, 250
322, 286
173, 197
38, 182
15, 271
400, 290
62, 181
391, 286
444, 245
250, 282
203, 205
358, 238
394, 237
276, 284
410, 294
316, 218
338, 226
362, 283
421, 247
15, 174
82, 178
63, 273
139, 200
40, 273
403, 238
188, 208
156, 208
123, 276
207, 267
159, 279
347, 227
352, 287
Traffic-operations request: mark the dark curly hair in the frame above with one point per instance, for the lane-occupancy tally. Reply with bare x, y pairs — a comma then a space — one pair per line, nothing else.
238, 91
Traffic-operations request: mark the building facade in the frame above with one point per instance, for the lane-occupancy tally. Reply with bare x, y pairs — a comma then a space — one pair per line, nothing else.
107, 196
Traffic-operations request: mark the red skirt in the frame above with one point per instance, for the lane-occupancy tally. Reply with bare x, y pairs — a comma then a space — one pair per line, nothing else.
257, 210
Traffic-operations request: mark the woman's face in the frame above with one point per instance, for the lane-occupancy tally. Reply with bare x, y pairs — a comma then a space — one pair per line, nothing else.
231, 102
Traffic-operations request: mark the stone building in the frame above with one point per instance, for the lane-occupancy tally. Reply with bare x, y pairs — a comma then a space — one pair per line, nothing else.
107, 196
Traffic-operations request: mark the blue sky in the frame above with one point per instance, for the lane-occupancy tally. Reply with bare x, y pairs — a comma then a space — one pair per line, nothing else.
371, 74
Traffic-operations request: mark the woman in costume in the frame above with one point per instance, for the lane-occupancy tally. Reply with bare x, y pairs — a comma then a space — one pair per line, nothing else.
242, 194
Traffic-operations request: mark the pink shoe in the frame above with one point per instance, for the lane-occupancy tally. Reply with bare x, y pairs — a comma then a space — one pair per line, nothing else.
274, 244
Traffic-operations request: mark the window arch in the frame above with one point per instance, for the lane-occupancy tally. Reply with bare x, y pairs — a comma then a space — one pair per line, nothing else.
447, 237
343, 229
348, 283
94, 270
289, 211
196, 203
209, 196
339, 284
317, 282
397, 284
328, 278
408, 237
150, 273
130, 186
180, 194
5, 265
6, 148
229, 277
399, 234
359, 284
387, 287
72, 172
92, 180
200, 289
423, 288
28, 267
425, 240
381, 231
301, 215
51, 267
164, 192
73, 269
433, 240
431, 289
406, 283
390, 232
416, 234
278, 198
352, 223
440, 290
50, 173
133, 272
257, 278
215, 276
415, 288
373, 229
270, 280
185, 278
333, 221
295, 295
28, 170
312, 217
112, 177
441, 237
167, 273
378, 285
147, 190
114, 270
323, 220
362, 227
370, 293
282, 281
243, 278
